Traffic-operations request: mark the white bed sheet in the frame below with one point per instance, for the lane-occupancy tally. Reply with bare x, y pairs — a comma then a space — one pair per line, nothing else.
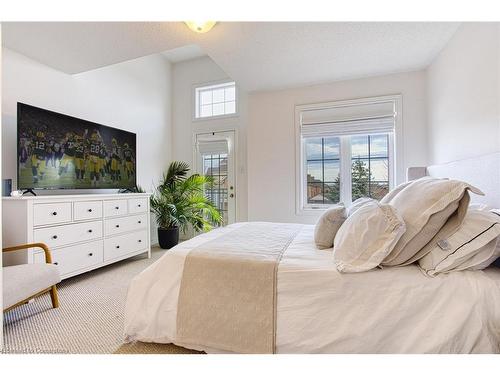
319, 310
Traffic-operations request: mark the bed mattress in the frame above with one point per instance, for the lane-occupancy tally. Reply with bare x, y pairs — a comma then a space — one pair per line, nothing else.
319, 310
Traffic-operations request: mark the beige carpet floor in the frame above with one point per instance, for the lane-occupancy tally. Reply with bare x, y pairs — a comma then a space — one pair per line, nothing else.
89, 320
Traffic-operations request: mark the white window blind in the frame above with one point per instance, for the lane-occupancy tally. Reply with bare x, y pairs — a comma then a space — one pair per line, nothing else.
214, 147
352, 119
346, 150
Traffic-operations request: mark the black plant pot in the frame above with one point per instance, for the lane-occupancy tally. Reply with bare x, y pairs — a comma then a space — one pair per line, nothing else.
168, 237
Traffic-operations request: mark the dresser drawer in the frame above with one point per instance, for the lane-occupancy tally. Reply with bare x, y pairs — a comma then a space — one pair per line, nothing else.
74, 258
67, 234
137, 205
119, 246
87, 210
115, 207
125, 224
51, 213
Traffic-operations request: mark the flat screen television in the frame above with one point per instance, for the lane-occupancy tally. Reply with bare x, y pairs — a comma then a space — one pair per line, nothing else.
57, 151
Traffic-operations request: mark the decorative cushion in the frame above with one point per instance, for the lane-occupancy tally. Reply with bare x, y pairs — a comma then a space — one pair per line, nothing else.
25, 280
327, 226
475, 245
366, 237
426, 205
390, 195
358, 203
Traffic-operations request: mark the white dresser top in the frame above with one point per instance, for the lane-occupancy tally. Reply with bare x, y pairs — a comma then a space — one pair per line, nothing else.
76, 197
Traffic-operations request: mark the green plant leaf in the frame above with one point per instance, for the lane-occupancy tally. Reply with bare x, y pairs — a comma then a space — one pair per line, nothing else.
180, 201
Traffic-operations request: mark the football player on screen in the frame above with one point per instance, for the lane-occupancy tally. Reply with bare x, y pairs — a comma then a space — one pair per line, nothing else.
38, 157
79, 157
57, 154
23, 152
68, 149
129, 157
95, 145
102, 159
115, 161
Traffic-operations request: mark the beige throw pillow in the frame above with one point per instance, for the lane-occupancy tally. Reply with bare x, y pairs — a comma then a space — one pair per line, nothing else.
390, 195
472, 246
357, 204
328, 225
426, 205
366, 237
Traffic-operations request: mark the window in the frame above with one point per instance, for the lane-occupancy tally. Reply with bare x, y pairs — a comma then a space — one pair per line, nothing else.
214, 160
323, 170
346, 151
215, 166
215, 100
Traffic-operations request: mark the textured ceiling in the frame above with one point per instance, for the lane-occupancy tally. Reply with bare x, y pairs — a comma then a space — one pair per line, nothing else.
258, 55
75, 47
188, 52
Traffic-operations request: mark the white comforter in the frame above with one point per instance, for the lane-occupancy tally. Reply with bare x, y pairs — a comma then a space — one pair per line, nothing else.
319, 310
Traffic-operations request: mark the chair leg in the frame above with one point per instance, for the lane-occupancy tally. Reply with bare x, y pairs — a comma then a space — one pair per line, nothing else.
54, 297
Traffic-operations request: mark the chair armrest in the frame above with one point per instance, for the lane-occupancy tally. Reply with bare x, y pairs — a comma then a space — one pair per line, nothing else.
48, 256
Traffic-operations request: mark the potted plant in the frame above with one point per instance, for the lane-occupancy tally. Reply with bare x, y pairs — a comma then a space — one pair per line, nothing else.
179, 202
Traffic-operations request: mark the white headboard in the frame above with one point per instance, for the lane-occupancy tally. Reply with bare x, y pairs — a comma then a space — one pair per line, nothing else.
482, 172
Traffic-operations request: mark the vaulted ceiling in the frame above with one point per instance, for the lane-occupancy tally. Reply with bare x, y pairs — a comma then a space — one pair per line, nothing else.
258, 55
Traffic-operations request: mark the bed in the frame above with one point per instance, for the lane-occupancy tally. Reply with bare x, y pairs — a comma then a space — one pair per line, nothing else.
319, 310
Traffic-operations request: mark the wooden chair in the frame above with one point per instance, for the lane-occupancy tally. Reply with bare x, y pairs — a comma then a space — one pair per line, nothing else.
24, 282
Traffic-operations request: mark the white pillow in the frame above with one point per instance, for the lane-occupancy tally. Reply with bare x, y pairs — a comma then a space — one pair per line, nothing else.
472, 246
357, 204
327, 226
366, 237
390, 195
426, 205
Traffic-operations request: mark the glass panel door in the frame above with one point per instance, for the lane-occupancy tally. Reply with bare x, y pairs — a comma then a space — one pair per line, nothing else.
218, 163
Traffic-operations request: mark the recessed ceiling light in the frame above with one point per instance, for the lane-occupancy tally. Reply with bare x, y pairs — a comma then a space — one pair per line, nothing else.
200, 26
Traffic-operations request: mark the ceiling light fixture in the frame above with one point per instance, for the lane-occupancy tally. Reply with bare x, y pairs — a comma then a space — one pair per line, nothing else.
200, 26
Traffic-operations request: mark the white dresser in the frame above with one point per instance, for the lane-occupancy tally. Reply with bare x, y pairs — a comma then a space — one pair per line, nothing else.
83, 232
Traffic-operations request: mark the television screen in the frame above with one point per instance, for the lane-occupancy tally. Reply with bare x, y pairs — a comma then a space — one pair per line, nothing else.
57, 151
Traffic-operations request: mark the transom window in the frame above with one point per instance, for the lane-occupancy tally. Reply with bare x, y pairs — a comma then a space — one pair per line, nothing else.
215, 100
346, 151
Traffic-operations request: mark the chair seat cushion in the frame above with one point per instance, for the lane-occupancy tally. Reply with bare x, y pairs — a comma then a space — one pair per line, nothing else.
23, 281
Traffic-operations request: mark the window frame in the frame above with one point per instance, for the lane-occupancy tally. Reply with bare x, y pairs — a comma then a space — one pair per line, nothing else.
395, 154
196, 99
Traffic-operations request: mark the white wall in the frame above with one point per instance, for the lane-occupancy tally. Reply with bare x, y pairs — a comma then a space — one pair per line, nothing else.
271, 137
134, 96
185, 76
463, 95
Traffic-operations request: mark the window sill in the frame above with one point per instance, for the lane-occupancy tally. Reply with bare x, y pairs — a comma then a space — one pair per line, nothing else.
219, 117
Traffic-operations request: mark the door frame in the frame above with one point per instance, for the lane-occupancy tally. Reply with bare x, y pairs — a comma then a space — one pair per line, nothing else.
235, 159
